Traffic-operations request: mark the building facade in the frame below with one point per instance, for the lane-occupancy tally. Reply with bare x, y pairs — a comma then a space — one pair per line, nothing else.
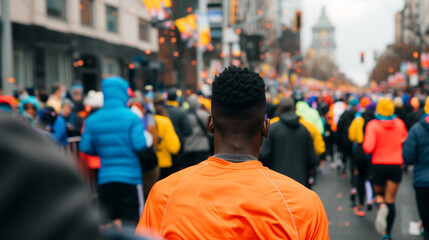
81, 40
323, 43
415, 23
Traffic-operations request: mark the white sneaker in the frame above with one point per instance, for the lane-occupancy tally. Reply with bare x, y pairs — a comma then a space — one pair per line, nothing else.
381, 219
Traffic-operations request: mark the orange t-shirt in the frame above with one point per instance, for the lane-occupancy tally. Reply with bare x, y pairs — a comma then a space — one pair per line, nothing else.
217, 199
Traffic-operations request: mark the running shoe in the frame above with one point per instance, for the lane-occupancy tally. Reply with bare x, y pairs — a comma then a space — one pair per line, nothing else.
360, 213
380, 219
387, 237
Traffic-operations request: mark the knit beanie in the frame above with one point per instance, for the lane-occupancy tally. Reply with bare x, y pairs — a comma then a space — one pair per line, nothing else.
385, 107
415, 103
365, 101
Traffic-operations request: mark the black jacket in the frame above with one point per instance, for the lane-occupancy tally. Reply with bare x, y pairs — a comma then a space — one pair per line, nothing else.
289, 148
413, 118
181, 123
42, 195
344, 123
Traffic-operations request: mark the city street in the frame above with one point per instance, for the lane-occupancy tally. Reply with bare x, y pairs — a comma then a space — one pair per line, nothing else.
334, 193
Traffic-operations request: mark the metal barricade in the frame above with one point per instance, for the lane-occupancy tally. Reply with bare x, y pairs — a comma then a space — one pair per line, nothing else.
72, 153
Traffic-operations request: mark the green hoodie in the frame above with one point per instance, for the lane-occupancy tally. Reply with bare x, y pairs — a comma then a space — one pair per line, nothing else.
309, 114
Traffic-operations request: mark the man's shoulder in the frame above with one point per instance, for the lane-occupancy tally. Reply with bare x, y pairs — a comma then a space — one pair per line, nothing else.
290, 188
174, 179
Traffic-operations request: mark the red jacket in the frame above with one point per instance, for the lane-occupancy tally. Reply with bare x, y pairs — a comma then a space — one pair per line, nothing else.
384, 139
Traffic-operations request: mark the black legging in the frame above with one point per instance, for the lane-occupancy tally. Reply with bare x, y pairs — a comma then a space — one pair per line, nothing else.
422, 196
362, 166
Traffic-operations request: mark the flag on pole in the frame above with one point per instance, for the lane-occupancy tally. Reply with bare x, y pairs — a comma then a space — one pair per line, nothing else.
204, 29
187, 26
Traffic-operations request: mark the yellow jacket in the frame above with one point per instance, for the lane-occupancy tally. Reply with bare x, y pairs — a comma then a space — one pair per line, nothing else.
319, 144
169, 142
356, 130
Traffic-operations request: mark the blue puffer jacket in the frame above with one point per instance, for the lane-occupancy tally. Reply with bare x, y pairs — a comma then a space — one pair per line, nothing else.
416, 151
115, 134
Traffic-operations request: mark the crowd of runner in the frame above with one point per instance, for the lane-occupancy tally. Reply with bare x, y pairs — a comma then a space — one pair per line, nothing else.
205, 149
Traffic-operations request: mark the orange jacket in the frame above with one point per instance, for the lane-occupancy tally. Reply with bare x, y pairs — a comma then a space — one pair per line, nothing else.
217, 199
384, 139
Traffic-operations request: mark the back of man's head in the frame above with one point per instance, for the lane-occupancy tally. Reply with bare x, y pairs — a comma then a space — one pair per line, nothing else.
286, 105
172, 94
238, 95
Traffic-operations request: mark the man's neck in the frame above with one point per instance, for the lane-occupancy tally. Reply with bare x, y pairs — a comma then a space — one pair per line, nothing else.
233, 146
235, 158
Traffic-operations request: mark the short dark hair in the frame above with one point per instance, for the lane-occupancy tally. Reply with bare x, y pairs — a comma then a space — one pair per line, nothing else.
172, 94
238, 93
286, 104
55, 87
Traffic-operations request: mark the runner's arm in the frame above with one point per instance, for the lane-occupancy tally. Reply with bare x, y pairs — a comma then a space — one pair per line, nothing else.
370, 138
409, 152
86, 144
138, 139
318, 228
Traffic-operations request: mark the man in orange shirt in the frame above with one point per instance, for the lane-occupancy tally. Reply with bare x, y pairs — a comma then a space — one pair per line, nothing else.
231, 195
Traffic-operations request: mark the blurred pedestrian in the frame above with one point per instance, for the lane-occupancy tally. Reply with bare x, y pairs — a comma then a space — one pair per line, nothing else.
114, 133
48, 197
7, 104
30, 109
289, 148
361, 160
179, 118
305, 111
77, 97
168, 143
197, 144
73, 121
148, 158
57, 94
416, 151
399, 108
415, 115
318, 142
346, 146
226, 196
384, 137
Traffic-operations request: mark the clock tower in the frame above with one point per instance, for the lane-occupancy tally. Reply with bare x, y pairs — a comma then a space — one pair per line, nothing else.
324, 38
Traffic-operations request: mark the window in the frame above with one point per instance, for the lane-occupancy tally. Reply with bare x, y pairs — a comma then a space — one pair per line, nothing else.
56, 8
112, 19
23, 67
86, 12
58, 68
144, 29
110, 66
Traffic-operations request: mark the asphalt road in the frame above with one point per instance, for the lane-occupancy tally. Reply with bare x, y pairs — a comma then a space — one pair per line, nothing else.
334, 192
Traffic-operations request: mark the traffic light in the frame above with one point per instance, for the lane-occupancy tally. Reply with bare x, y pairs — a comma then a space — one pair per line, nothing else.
297, 22
362, 57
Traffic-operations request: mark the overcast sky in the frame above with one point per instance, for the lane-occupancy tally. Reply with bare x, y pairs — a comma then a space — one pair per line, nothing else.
361, 25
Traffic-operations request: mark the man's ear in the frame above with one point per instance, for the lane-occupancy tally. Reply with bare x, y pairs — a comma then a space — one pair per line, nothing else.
266, 128
209, 123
